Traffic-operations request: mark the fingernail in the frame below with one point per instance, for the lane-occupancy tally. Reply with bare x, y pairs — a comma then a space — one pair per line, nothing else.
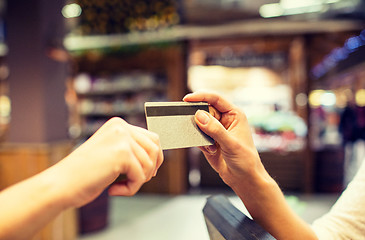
186, 96
202, 117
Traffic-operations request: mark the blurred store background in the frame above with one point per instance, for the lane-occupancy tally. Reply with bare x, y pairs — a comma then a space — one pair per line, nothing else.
295, 67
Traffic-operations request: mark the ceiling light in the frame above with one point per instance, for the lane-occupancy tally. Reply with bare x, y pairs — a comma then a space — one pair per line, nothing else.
71, 10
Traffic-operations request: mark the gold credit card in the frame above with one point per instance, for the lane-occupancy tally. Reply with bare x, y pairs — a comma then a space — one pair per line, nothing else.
175, 124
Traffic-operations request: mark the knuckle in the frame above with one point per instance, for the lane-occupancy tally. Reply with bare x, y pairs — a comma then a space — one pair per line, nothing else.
215, 98
236, 145
115, 121
155, 150
155, 138
242, 114
214, 130
118, 125
119, 130
148, 165
123, 149
153, 154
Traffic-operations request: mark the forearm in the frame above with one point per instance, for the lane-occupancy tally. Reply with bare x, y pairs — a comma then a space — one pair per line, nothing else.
29, 205
268, 207
235, 158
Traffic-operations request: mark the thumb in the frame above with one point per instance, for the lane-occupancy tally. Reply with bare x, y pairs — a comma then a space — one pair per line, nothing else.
212, 127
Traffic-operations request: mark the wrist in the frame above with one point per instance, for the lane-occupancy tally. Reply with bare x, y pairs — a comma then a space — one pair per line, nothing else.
252, 179
55, 184
256, 185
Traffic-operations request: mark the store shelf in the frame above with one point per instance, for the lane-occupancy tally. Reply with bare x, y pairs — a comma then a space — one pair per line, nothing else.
117, 85
121, 91
259, 27
107, 114
105, 95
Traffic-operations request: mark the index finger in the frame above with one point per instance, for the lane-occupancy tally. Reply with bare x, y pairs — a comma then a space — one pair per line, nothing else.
218, 102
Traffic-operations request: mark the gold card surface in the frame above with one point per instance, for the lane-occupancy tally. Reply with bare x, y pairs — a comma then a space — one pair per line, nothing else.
175, 124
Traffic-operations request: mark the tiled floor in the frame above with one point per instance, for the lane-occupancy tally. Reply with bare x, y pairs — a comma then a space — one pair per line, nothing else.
159, 217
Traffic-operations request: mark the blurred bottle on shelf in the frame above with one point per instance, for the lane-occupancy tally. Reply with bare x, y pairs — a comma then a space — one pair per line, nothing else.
103, 96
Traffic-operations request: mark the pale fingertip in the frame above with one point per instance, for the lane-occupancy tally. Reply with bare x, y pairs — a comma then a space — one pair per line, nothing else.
186, 96
202, 117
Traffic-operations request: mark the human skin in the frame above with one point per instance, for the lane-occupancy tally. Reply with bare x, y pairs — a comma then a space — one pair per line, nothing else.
116, 148
235, 158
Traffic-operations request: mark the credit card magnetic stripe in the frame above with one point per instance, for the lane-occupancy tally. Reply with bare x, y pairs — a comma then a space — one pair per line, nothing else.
162, 111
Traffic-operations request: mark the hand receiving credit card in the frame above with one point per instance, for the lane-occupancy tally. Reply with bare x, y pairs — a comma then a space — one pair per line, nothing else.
175, 124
